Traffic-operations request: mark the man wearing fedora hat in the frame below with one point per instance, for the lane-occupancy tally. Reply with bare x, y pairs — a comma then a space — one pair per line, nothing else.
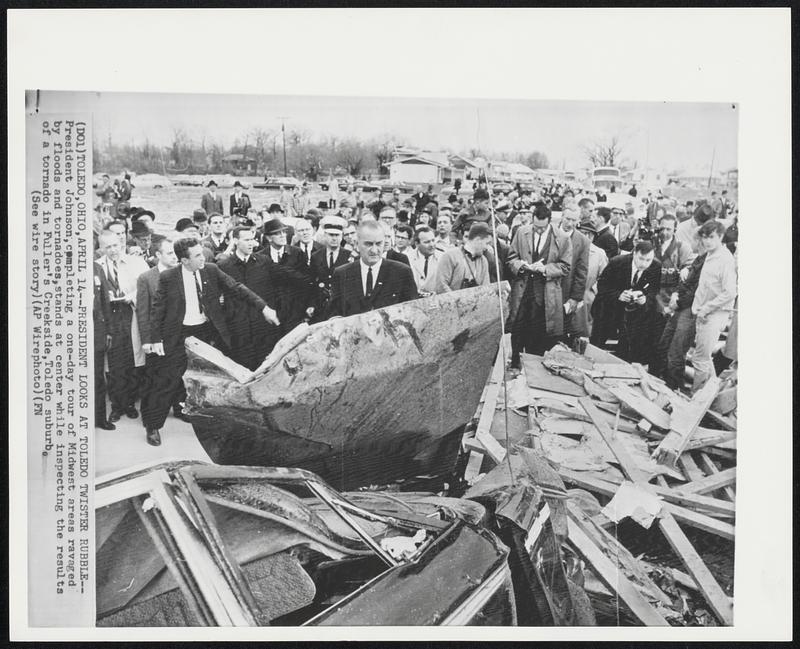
210, 201
325, 261
292, 301
140, 243
582, 320
239, 201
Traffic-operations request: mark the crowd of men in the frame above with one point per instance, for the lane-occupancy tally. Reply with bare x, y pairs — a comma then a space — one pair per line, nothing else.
648, 284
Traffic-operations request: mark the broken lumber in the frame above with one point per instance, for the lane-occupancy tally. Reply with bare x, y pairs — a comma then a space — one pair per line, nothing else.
711, 468
711, 483
696, 567
640, 404
684, 422
725, 402
611, 576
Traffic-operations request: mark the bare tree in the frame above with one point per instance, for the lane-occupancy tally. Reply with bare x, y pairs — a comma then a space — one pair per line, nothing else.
605, 153
350, 154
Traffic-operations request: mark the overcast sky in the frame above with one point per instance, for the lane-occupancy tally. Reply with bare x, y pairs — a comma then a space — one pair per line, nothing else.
665, 135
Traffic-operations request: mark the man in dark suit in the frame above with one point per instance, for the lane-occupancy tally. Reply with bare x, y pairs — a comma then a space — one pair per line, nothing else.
293, 302
371, 282
188, 303
217, 239
252, 338
304, 240
211, 202
604, 238
239, 201
157, 383
325, 261
626, 299
101, 312
573, 284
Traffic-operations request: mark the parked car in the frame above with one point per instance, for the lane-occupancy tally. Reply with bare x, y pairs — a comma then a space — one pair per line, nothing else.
501, 187
277, 182
194, 544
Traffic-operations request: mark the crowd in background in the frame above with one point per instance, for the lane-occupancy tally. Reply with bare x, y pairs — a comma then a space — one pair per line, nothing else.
647, 277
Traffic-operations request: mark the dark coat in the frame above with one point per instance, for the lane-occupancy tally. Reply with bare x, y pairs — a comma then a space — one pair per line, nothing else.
606, 241
315, 245
293, 300
169, 306
393, 255
394, 284
212, 204
240, 208
322, 277
608, 312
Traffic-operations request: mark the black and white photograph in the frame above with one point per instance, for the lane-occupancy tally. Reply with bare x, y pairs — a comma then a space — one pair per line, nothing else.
389, 359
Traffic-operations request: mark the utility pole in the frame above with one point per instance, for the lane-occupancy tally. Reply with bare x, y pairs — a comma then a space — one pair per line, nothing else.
283, 132
711, 171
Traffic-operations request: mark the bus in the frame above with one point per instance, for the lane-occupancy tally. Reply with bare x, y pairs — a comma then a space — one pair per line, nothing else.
606, 177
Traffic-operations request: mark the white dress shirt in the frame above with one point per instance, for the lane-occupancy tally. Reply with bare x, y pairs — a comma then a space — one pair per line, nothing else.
375, 270
192, 316
425, 282
276, 253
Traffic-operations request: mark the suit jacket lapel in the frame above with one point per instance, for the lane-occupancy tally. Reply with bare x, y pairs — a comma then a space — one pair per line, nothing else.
379, 280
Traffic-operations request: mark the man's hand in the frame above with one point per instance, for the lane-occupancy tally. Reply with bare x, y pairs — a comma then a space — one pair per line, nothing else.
538, 266
147, 348
570, 306
158, 348
625, 296
673, 302
683, 274
128, 298
640, 299
270, 316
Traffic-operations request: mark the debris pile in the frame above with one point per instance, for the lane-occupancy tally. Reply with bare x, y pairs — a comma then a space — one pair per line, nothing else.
650, 474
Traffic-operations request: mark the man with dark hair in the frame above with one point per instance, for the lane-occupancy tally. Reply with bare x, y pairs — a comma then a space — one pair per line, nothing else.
675, 259
388, 244
626, 298
217, 239
211, 202
371, 282
604, 238
154, 380
543, 255
686, 232
424, 260
444, 226
324, 262
713, 300
253, 338
468, 265
187, 304
101, 314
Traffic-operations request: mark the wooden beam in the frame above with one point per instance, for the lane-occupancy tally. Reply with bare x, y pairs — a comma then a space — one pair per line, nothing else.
640, 404
710, 483
611, 576
711, 468
711, 590
492, 391
727, 423
706, 437
684, 421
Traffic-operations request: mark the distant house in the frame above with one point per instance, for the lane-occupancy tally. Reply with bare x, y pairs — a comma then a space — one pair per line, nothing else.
417, 169
731, 177
459, 167
512, 172
239, 164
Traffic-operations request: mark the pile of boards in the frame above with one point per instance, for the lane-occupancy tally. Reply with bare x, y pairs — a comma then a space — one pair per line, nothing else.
626, 447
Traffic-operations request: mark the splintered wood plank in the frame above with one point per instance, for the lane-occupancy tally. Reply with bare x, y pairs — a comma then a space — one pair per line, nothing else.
637, 402
711, 590
473, 468
711, 483
690, 469
598, 355
725, 401
539, 377
705, 437
711, 468
684, 421
719, 602
611, 576
727, 423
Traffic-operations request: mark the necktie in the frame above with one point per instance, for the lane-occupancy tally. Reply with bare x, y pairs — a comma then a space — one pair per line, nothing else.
537, 243
113, 276
369, 281
635, 278
330, 260
425, 269
199, 292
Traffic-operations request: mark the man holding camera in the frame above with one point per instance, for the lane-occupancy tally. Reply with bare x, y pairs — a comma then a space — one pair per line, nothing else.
626, 298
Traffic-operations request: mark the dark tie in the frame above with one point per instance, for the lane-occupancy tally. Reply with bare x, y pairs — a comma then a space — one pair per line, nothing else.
635, 278
199, 292
369, 281
113, 276
425, 269
330, 260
